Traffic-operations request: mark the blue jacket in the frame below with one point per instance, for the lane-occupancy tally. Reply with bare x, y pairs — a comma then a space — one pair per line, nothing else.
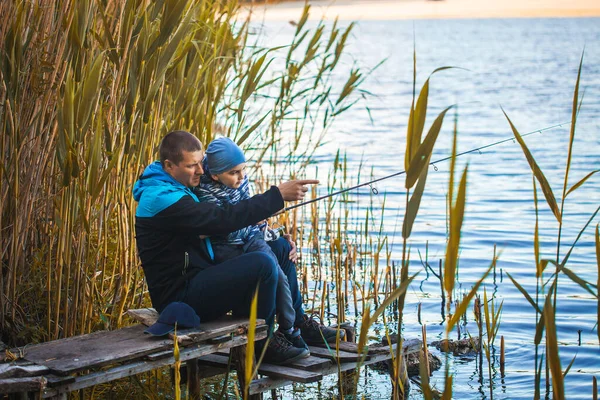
168, 222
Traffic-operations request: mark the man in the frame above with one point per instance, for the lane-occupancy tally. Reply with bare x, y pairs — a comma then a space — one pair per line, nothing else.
170, 227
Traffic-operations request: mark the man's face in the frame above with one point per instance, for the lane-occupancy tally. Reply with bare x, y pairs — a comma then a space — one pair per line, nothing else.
189, 170
232, 178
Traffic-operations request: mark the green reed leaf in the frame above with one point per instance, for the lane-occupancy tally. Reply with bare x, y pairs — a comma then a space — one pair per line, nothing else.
486, 309
333, 35
574, 113
546, 189
496, 319
539, 330
447, 395
581, 182
353, 81
392, 297
566, 257
424, 151
413, 204
464, 303
249, 131
541, 325
112, 46
420, 115
172, 12
524, 293
423, 373
166, 56
89, 92
598, 283
585, 285
552, 351
339, 47
249, 361
413, 140
456, 219
303, 18
569, 366
95, 156
409, 136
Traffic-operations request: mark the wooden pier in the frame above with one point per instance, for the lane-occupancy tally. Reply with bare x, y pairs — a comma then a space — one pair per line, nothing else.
53, 369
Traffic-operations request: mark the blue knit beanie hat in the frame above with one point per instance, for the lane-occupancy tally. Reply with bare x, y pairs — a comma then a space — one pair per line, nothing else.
222, 154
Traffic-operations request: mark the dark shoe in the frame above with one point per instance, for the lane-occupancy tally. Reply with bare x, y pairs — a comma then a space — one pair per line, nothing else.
280, 351
296, 340
315, 333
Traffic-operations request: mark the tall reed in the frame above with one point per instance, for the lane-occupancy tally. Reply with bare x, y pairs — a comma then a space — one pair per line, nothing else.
545, 302
87, 89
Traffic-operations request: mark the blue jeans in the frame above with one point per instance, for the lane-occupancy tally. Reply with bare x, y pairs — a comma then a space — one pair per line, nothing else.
230, 285
281, 248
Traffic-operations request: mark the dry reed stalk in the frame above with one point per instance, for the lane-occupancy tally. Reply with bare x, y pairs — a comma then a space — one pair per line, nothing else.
502, 358
87, 91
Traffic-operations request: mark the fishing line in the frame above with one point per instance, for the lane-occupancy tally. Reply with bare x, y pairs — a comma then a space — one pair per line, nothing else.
433, 163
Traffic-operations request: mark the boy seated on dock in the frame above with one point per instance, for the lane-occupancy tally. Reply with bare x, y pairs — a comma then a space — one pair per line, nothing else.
225, 182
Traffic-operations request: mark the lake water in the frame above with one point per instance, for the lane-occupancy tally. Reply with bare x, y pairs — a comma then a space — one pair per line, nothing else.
529, 67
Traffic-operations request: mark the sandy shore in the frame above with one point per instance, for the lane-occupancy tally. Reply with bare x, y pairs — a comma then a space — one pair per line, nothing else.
430, 9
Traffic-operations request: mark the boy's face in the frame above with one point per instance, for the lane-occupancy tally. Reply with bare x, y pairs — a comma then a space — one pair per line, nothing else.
232, 178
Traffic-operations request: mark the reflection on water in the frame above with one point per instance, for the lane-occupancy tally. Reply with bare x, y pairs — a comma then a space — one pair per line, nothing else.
529, 68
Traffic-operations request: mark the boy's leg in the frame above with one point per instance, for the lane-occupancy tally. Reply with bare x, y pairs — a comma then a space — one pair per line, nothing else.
231, 285
281, 248
284, 309
313, 332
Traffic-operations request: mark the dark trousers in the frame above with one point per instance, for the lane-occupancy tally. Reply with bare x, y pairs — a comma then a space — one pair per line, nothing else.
230, 286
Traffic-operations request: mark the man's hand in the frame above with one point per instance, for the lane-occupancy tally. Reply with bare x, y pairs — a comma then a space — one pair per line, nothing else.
293, 248
295, 190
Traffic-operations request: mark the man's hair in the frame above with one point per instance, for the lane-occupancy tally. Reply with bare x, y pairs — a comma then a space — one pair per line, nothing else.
175, 143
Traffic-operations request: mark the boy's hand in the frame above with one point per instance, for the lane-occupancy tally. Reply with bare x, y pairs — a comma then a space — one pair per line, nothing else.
295, 190
293, 249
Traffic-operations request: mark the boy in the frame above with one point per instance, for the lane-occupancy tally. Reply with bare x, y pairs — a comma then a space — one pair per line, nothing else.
225, 182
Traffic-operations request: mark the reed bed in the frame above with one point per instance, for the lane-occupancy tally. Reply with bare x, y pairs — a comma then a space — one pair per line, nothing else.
89, 88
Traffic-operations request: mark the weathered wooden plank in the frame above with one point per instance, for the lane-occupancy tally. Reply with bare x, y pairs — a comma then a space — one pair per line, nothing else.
220, 339
349, 347
311, 363
342, 356
308, 364
73, 354
16, 385
278, 371
146, 316
158, 355
55, 380
97, 349
21, 371
272, 382
133, 368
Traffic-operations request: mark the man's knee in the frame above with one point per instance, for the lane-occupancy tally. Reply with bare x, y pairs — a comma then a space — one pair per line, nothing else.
266, 267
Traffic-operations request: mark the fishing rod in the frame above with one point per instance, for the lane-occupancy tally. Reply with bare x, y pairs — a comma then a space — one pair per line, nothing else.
478, 149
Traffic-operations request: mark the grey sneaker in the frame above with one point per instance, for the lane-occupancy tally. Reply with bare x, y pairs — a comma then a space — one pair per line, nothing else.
296, 339
280, 351
314, 332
